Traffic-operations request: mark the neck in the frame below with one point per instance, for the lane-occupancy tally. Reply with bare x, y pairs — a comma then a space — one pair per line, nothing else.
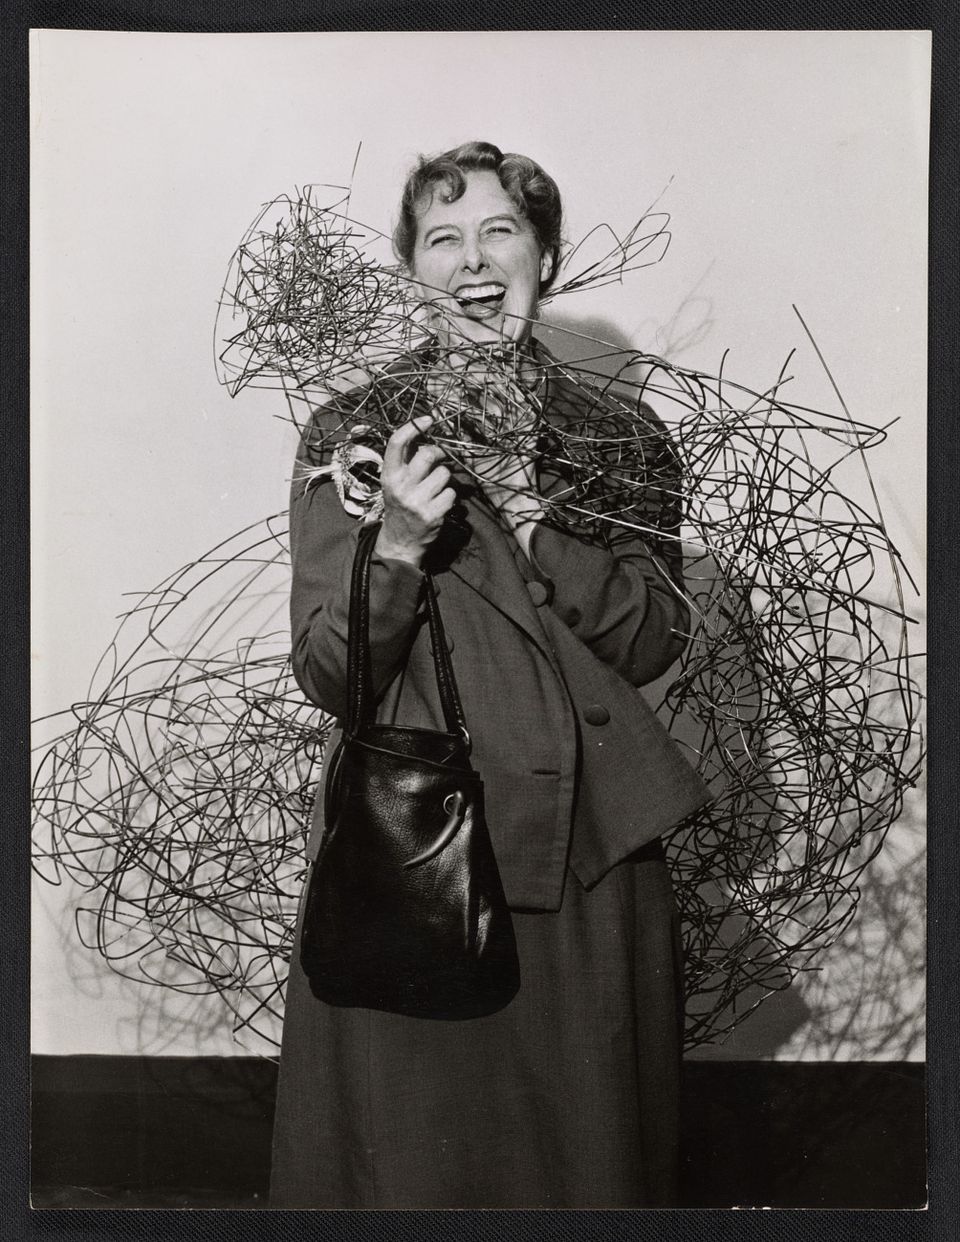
519, 359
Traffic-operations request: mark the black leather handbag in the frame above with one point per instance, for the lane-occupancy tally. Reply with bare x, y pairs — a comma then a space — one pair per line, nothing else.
405, 909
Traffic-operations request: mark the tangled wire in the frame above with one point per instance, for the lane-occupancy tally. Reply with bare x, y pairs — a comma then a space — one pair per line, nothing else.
180, 794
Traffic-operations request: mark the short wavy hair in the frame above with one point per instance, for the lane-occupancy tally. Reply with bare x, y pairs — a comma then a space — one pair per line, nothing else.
533, 192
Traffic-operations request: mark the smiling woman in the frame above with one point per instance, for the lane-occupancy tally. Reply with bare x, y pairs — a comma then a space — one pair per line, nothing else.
567, 1096
480, 231
479, 260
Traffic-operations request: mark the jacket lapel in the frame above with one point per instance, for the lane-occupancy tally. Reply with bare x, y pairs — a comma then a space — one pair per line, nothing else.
486, 564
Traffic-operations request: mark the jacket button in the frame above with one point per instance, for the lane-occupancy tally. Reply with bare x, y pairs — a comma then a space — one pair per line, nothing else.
539, 592
596, 714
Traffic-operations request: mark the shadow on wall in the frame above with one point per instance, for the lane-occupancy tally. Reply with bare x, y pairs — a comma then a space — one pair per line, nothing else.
575, 338
862, 998
867, 998
144, 1015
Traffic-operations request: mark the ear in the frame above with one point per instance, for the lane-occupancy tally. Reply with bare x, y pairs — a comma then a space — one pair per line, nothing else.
545, 265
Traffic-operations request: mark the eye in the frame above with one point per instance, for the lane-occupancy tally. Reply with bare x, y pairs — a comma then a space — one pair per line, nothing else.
441, 239
500, 228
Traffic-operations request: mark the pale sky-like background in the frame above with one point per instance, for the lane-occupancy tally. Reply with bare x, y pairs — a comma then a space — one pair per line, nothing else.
793, 165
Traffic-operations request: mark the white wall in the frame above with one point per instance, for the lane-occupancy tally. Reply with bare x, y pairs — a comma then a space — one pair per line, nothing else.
794, 168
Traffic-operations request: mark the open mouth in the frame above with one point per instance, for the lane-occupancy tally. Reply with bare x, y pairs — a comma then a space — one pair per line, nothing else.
480, 301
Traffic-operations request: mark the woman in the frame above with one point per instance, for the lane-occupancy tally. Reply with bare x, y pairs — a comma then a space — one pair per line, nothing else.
568, 1097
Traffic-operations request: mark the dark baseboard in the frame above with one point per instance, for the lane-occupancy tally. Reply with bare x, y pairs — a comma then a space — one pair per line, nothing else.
802, 1134
161, 1132
114, 1131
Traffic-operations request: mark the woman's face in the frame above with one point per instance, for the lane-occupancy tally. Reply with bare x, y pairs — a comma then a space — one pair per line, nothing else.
478, 262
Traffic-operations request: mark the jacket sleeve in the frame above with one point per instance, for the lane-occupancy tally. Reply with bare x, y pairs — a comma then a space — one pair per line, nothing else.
624, 597
323, 541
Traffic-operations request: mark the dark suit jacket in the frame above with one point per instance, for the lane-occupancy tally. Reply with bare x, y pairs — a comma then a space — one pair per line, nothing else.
547, 654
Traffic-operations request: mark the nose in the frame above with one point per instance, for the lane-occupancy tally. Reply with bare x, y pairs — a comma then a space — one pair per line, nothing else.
474, 259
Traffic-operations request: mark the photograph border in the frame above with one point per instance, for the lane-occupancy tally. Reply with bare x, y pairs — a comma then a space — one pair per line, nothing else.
940, 1219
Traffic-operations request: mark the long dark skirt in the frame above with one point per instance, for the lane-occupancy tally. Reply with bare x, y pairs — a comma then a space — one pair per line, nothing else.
568, 1098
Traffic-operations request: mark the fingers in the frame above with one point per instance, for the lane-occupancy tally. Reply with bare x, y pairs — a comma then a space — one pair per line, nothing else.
436, 509
433, 481
426, 459
402, 444
417, 491
409, 462
416, 496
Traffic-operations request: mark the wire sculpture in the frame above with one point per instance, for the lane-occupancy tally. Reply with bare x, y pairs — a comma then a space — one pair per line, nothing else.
179, 795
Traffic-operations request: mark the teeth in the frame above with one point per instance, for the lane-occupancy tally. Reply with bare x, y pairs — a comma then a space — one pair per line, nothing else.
474, 293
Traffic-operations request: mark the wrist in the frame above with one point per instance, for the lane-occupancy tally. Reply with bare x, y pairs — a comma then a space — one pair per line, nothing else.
391, 549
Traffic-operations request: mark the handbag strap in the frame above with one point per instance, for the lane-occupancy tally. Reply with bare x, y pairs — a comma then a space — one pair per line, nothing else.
360, 698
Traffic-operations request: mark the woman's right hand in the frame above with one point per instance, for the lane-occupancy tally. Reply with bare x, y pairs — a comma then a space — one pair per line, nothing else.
417, 494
